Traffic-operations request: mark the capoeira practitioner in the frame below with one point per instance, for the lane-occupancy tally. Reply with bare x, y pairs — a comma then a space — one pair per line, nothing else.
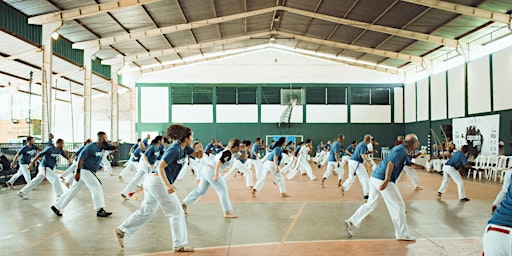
256, 158
289, 158
46, 170
145, 166
271, 166
327, 149
497, 238
211, 177
25, 155
450, 169
243, 166
68, 175
302, 162
370, 152
333, 161
88, 164
160, 191
319, 149
383, 184
413, 176
105, 163
143, 145
348, 153
133, 163
194, 164
356, 167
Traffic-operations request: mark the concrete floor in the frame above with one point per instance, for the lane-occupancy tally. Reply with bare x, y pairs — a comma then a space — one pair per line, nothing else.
310, 222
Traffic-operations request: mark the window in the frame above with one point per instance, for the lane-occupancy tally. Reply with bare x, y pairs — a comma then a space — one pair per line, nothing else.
336, 95
226, 95
315, 95
360, 96
192, 95
271, 95
246, 95
380, 96
234, 95
370, 96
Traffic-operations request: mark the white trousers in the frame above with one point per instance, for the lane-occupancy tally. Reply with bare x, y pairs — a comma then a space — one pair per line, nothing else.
243, 168
142, 170
258, 167
155, 194
107, 167
319, 157
206, 181
413, 176
132, 166
496, 241
90, 180
337, 170
393, 201
23, 170
270, 168
303, 165
324, 160
356, 168
449, 171
44, 172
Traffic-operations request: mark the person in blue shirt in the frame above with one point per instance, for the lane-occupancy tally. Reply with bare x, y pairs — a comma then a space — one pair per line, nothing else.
133, 163
271, 166
159, 190
89, 162
243, 166
143, 145
333, 161
146, 164
497, 239
319, 150
450, 170
211, 176
356, 166
210, 147
302, 162
67, 176
324, 155
383, 184
49, 143
46, 170
25, 155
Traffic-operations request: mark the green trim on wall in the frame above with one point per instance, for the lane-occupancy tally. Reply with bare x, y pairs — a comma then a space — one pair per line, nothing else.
491, 82
429, 98
416, 101
466, 108
447, 96
349, 104
214, 104
169, 99
392, 102
258, 101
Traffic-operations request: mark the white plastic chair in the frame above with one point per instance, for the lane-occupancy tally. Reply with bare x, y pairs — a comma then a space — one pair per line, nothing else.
501, 165
508, 166
479, 162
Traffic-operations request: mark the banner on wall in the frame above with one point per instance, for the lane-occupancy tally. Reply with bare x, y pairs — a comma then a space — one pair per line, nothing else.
480, 133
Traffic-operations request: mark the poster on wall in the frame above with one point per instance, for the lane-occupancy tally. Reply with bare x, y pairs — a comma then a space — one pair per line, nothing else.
480, 133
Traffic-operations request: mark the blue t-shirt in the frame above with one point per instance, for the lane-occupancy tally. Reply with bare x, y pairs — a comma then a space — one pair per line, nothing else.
50, 155
175, 157
134, 147
457, 160
335, 150
319, 148
77, 153
399, 156
361, 149
209, 148
49, 143
152, 154
277, 151
136, 155
162, 150
297, 149
327, 146
350, 149
255, 149
145, 142
27, 153
91, 156
503, 214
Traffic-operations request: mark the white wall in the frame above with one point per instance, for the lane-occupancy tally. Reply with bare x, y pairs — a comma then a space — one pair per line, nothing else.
456, 95
268, 66
423, 100
410, 103
502, 61
399, 105
479, 86
438, 105
326, 114
154, 104
272, 113
370, 113
192, 113
237, 113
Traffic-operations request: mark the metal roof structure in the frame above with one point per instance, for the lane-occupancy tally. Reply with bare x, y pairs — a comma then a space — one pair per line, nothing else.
384, 35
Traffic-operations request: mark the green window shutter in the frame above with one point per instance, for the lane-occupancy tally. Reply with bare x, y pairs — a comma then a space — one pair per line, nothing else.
246, 95
181, 95
226, 95
202, 95
360, 96
270, 95
336, 95
315, 95
380, 96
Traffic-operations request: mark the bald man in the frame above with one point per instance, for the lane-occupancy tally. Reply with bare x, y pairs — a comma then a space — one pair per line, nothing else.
382, 184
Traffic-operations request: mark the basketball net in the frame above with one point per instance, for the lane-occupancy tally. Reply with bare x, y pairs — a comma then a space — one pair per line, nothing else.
293, 102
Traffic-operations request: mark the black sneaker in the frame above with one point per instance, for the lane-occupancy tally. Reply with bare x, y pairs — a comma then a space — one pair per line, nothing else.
365, 199
103, 213
56, 211
465, 199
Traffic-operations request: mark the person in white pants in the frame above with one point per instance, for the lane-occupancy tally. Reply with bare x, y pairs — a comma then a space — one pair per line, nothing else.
88, 164
302, 162
46, 170
356, 167
194, 163
450, 169
383, 184
256, 158
333, 161
211, 177
68, 175
146, 164
133, 163
497, 239
25, 155
159, 190
105, 163
319, 149
271, 166
289, 159
243, 166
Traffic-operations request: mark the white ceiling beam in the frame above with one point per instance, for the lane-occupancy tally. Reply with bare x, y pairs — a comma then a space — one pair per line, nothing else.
388, 54
465, 10
86, 11
166, 30
19, 55
378, 28
68, 73
159, 53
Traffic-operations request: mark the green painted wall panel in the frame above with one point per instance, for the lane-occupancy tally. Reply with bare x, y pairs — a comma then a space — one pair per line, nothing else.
16, 23
98, 68
63, 47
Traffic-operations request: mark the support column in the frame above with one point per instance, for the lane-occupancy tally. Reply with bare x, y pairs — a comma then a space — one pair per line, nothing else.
46, 73
114, 102
130, 78
88, 54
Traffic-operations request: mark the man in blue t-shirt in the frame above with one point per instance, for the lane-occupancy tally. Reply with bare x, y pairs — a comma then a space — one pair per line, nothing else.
356, 167
25, 155
383, 183
89, 162
46, 170
450, 170
497, 239
333, 161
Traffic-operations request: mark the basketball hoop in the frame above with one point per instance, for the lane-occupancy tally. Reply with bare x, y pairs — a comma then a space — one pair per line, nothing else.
293, 102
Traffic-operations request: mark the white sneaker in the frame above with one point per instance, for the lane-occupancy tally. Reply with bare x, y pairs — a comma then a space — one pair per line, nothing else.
406, 238
348, 227
184, 248
21, 195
